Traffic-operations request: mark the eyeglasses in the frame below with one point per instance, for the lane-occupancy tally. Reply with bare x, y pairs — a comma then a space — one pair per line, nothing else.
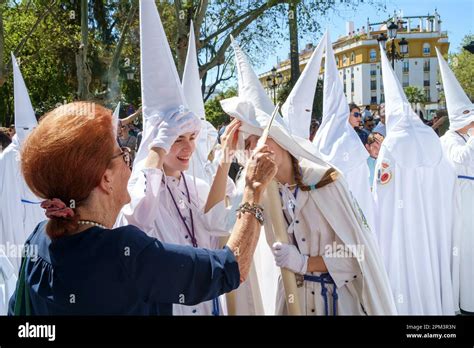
357, 114
125, 153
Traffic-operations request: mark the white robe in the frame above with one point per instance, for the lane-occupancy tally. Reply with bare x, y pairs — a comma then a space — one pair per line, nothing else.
152, 209
414, 205
460, 151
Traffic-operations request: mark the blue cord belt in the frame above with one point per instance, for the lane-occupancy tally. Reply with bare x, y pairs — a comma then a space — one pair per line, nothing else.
29, 202
465, 177
323, 279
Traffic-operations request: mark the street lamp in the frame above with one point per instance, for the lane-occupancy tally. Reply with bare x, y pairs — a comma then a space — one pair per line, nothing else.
130, 73
392, 31
392, 53
273, 82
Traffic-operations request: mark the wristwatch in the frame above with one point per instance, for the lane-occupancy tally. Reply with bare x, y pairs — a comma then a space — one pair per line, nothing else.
254, 209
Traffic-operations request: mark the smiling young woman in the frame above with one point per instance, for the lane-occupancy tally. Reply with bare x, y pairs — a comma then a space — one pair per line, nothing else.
170, 197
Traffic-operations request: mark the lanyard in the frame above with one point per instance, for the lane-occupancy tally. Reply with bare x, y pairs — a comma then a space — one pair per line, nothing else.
191, 231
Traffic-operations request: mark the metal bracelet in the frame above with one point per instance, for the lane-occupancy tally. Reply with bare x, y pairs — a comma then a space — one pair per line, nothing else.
254, 209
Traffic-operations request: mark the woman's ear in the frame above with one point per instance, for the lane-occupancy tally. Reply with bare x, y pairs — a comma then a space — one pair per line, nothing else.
106, 181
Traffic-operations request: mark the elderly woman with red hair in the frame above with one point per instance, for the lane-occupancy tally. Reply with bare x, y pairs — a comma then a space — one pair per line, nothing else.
82, 264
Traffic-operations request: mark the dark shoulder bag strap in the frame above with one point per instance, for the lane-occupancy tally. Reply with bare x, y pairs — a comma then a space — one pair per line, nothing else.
22, 296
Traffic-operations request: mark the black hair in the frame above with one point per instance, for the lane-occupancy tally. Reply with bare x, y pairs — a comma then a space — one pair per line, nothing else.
353, 106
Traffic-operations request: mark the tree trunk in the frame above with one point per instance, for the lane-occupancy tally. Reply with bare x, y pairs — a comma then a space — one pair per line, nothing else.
113, 74
184, 24
181, 52
83, 71
294, 52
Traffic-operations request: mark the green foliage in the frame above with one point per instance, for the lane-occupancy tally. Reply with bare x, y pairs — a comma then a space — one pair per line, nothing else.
43, 60
214, 112
462, 64
48, 55
415, 94
317, 111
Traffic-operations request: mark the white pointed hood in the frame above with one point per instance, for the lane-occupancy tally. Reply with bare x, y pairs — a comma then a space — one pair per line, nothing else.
191, 79
162, 93
192, 92
460, 108
336, 140
404, 127
254, 108
116, 118
298, 107
25, 119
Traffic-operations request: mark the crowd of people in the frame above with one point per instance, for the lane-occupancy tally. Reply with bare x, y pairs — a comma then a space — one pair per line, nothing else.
275, 213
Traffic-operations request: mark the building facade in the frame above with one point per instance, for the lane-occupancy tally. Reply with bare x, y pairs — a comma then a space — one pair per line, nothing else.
358, 59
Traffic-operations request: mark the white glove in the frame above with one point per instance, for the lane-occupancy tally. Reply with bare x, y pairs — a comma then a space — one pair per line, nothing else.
470, 132
170, 129
287, 256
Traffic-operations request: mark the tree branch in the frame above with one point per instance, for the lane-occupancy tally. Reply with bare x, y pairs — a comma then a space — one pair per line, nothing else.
252, 13
23, 41
201, 12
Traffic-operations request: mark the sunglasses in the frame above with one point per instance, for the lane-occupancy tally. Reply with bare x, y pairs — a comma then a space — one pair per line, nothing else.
357, 114
125, 153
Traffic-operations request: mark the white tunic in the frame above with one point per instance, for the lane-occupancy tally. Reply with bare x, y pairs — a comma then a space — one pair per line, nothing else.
460, 151
153, 210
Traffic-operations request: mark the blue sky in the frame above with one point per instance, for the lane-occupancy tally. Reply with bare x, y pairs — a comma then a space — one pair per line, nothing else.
457, 19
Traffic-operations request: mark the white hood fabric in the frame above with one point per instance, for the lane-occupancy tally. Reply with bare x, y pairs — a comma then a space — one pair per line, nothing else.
460, 108
25, 119
338, 143
191, 79
414, 197
298, 107
199, 165
162, 93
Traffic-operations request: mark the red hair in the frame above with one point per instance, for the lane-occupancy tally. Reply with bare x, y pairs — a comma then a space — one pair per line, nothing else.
66, 156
